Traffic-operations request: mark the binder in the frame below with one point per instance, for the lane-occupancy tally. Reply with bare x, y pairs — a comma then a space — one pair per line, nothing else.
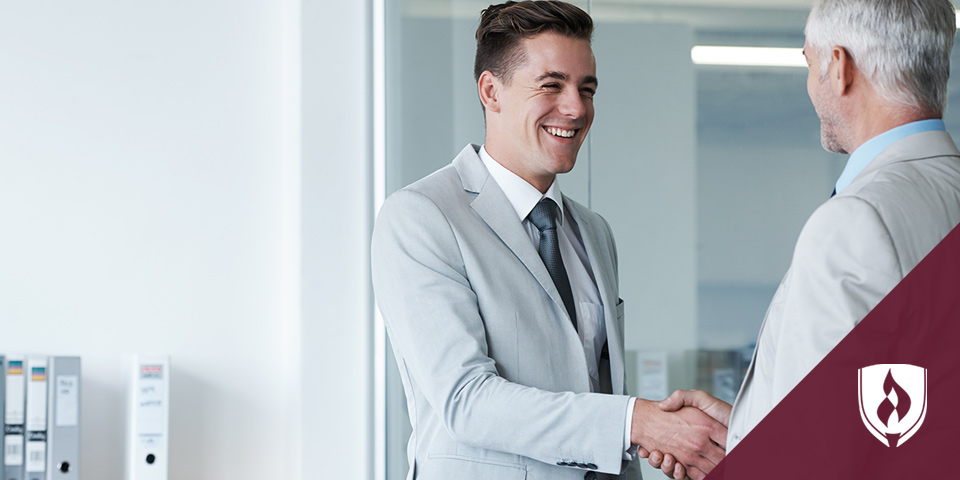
35, 450
14, 417
63, 414
148, 417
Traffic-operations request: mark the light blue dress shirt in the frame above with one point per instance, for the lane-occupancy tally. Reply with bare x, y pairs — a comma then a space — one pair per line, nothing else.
862, 156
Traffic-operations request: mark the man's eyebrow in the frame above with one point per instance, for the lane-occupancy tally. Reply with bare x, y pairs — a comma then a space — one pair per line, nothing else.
564, 77
555, 75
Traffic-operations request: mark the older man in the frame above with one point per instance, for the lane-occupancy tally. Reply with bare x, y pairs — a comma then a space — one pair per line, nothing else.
878, 80
500, 294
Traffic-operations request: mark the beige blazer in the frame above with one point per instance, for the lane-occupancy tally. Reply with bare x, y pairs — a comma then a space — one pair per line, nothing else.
493, 371
852, 251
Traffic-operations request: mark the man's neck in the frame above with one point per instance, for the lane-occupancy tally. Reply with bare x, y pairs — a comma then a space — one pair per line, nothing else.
501, 156
877, 118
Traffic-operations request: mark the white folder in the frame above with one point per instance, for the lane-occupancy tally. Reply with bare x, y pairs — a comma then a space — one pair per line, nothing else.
148, 407
14, 417
63, 415
35, 459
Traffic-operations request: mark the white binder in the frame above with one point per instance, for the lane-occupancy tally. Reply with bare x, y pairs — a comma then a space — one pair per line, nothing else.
63, 415
148, 417
35, 458
14, 417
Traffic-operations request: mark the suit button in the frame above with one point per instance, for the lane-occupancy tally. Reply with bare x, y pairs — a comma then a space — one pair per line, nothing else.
591, 466
590, 476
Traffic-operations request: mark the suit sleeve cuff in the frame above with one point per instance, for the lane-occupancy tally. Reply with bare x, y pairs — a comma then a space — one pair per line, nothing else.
629, 450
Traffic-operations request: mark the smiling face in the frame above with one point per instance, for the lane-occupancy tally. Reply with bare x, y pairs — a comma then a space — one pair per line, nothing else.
537, 121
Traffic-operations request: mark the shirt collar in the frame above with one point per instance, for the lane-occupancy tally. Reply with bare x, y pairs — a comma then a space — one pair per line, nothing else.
863, 155
522, 196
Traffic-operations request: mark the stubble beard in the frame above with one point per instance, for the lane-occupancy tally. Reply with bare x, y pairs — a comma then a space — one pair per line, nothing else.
831, 127
831, 122
828, 138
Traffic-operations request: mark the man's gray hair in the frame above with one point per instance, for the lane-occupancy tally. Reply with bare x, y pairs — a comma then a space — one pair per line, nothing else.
902, 46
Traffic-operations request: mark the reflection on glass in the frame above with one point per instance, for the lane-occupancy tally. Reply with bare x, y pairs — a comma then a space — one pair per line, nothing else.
706, 173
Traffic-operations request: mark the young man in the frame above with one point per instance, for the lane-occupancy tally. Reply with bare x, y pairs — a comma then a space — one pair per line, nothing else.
500, 294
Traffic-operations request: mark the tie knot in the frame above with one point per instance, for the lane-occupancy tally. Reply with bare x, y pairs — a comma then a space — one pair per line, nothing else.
544, 215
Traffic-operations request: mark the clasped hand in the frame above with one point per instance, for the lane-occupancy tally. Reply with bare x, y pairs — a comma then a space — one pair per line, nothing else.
684, 435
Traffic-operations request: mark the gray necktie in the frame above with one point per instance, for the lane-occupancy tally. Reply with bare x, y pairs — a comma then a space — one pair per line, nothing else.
544, 217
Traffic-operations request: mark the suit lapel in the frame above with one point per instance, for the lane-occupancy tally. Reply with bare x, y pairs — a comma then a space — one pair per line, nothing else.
493, 207
604, 274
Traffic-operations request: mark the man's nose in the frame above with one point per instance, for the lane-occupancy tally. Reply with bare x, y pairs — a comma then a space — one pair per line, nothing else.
572, 103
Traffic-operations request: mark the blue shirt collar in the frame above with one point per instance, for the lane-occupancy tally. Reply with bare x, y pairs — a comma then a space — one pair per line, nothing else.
862, 156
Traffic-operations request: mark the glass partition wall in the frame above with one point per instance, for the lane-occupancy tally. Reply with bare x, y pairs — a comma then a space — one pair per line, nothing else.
705, 172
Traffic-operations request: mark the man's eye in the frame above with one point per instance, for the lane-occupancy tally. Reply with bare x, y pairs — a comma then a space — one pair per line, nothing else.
552, 85
588, 92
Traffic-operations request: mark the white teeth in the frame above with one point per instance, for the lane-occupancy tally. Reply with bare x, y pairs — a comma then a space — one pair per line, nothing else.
560, 132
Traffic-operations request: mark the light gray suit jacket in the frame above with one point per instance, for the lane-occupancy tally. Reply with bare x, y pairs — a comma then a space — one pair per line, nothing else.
493, 371
853, 250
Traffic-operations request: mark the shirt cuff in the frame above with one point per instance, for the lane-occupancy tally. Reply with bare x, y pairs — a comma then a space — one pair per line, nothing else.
629, 450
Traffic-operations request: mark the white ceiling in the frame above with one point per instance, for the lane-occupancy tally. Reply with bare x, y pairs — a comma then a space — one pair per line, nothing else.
710, 15
765, 4
473, 7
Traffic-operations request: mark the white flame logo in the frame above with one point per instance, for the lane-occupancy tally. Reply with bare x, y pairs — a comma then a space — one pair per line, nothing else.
893, 401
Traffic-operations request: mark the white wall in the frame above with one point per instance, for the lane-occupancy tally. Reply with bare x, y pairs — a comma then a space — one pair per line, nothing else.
149, 202
337, 178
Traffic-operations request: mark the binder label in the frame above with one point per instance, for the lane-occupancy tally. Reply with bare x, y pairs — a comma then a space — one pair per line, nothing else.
36, 457
151, 372
13, 450
68, 400
37, 401
16, 389
150, 400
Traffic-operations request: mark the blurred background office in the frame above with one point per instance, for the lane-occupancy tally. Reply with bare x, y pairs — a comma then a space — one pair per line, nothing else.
200, 179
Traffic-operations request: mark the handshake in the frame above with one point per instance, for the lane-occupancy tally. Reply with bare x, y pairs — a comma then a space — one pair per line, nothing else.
684, 435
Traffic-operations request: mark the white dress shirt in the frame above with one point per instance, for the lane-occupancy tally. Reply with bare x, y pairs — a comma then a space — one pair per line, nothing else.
590, 318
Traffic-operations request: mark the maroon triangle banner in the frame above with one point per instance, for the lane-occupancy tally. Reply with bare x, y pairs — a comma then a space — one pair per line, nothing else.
885, 403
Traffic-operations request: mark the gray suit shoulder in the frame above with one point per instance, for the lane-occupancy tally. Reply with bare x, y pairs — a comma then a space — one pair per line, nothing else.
917, 170
447, 184
436, 184
440, 189
914, 191
900, 190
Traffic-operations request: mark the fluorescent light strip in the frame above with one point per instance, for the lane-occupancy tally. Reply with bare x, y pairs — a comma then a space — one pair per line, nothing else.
755, 56
748, 56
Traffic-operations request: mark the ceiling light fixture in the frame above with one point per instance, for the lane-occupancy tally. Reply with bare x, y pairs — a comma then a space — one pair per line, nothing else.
748, 56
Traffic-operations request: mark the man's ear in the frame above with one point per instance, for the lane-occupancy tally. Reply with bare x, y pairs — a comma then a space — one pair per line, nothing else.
489, 86
844, 70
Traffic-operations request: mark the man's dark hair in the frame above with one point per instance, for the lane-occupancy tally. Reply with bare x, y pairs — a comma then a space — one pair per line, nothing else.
503, 26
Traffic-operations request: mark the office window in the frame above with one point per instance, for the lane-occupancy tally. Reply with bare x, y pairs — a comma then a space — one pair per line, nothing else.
706, 173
